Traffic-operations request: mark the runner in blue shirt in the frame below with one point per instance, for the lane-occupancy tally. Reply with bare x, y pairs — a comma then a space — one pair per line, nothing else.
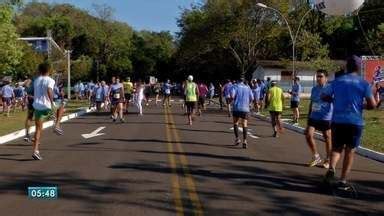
167, 87
256, 89
347, 93
8, 95
227, 95
242, 97
320, 116
295, 99
263, 92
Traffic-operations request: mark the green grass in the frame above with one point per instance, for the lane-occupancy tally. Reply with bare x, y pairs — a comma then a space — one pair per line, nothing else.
16, 120
373, 135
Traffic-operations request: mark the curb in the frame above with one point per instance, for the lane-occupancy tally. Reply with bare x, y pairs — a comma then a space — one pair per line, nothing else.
21, 133
368, 153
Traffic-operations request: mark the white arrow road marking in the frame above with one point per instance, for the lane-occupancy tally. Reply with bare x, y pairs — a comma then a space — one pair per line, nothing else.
95, 133
249, 133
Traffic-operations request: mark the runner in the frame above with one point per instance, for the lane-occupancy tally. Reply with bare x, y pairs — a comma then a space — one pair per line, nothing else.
110, 98
30, 110
43, 100
99, 95
167, 93
242, 97
76, 89
19, 97
203, 90
295, 99
347, 120
263, 94
227, 95
256, 95
211, 93
128, 89
8, 96
107, 102
275, 104
59, 103
157, 89
147, 93
320, 115
267, 86
221, 96
117, 95
139, 96
191, 95
82, 90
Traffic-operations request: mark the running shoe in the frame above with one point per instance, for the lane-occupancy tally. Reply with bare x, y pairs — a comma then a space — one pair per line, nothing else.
329, 176
122, 121
237, 142
37, 156
58, 131
27, 138
343, 186
275, 135
316, 160
245, 145
326, 163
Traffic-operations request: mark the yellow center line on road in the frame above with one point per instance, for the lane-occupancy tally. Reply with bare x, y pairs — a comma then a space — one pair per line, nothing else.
198, 208
172, 161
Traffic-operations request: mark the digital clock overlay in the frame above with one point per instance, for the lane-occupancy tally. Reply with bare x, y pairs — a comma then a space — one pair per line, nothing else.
43, 193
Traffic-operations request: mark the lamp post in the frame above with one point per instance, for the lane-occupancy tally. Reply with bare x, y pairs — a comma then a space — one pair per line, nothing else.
293, 37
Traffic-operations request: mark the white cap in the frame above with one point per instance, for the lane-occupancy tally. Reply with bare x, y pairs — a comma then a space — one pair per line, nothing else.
190, 78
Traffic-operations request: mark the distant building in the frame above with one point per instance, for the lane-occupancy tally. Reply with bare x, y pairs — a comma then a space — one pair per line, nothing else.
277, 71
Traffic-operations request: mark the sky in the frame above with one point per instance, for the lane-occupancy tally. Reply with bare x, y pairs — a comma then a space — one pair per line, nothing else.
153, 15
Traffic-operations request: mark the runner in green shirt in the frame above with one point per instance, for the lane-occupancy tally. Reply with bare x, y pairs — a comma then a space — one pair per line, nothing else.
191, 95
275, 106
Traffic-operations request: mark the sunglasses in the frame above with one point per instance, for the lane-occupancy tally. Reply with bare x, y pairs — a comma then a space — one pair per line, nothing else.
320, 76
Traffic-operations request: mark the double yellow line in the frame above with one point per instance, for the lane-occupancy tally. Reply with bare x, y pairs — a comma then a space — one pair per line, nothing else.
174, 138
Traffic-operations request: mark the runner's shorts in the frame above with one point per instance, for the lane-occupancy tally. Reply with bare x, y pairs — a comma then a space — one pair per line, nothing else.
7, 101
190, 105
201, 101
59, 103
43, 114
320, 125
127, 97
346, 135
295, 104
242, 115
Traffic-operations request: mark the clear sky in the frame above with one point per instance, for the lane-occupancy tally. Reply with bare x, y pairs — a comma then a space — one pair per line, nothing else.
154, 15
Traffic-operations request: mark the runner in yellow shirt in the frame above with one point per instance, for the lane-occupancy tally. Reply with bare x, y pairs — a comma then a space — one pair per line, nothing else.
191, 95
275, 106
128, 89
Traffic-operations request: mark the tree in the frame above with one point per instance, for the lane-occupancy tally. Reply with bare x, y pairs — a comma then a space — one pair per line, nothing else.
81, 68
28, 63
10, 47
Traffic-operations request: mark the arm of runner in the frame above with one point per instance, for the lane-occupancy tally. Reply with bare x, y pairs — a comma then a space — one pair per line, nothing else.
197, 92
310, 108
371, 102
282, 98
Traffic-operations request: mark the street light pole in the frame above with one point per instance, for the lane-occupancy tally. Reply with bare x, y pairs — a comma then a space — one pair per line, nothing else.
293, 38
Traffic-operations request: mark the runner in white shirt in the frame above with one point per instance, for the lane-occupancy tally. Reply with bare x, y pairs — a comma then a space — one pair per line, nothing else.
139, 96
43, 103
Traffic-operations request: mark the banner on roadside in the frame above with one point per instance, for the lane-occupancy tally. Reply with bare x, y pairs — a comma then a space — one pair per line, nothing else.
373, 69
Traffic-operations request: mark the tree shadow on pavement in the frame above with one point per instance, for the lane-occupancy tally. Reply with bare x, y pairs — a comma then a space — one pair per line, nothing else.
91, 195
288, 192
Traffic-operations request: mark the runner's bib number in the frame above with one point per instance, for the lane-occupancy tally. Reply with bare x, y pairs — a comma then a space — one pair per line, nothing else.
116, 95
316, 107
167, 91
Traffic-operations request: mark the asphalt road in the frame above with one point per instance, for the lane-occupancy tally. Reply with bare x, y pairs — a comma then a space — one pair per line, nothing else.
157, 165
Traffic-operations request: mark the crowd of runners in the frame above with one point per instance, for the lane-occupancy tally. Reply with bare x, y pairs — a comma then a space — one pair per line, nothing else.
337, 115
